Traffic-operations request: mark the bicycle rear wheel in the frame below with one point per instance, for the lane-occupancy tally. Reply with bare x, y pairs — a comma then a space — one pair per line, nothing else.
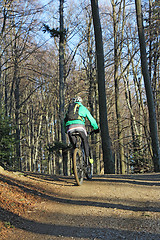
78, 166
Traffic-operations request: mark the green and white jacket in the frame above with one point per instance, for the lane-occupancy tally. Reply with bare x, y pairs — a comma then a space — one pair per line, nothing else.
83, 112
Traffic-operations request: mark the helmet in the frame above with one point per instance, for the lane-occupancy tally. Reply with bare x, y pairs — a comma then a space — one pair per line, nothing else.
77, 99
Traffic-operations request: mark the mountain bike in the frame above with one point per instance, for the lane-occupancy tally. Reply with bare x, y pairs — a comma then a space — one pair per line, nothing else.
82, 167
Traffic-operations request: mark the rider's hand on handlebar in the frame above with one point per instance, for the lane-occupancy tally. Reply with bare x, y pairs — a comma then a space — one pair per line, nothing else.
94, 131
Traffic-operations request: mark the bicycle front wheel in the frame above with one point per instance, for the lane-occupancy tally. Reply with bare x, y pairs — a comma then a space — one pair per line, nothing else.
78, 166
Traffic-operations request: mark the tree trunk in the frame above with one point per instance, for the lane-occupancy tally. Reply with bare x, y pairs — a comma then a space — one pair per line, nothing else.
38, 133
149, 93
16, 80
32, 138
117, 56
18, 152
61, 83
106, 144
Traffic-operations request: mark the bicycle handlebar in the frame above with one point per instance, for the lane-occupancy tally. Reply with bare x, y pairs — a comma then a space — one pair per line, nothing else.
93, 131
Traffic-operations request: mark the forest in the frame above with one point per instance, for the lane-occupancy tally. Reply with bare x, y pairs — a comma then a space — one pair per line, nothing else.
107, 52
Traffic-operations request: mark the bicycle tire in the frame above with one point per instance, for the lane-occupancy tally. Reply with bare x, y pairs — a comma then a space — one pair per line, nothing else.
89, 173
78, 166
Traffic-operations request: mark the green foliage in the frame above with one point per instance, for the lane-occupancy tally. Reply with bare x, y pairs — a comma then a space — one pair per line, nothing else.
8, 225
56, 146
139, 160
53, 32
6, 141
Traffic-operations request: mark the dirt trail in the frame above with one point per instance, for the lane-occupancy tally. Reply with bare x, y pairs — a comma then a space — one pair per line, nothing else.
108, 207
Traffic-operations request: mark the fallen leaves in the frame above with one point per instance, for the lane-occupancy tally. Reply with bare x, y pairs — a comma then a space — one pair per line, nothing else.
13, 199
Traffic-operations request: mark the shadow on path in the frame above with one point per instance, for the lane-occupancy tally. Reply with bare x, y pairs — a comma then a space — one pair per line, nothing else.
72, 231
50, 197
144, 180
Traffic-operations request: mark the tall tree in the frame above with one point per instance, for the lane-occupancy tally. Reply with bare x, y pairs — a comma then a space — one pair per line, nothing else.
118, 43
149, 93
61, 81
106, 144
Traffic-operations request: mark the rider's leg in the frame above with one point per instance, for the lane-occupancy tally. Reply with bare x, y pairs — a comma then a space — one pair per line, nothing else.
72, 139
86, 144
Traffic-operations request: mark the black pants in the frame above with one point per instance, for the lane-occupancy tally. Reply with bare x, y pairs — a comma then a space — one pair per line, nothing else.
83, 134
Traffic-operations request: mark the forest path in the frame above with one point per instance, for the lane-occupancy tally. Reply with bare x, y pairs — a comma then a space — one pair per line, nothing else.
108, 207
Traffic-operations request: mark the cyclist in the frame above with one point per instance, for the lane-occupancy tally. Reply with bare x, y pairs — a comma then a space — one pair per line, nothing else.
78, 125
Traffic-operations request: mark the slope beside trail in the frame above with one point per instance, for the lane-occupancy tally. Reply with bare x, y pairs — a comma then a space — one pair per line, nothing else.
110, 207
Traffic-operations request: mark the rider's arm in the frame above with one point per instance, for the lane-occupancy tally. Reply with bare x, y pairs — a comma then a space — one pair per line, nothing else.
85, 113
